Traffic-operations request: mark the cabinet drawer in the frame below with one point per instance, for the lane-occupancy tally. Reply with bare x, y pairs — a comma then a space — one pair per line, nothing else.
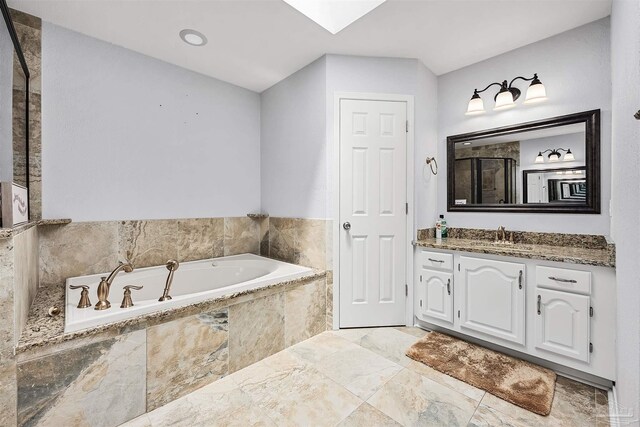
439, 260
563, 279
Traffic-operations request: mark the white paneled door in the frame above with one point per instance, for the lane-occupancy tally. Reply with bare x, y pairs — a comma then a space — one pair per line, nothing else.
373, 212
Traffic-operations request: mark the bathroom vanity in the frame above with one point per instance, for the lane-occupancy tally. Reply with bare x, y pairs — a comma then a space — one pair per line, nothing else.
554, 303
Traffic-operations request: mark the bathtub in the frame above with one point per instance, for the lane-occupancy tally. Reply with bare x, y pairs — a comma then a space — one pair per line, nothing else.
193, 282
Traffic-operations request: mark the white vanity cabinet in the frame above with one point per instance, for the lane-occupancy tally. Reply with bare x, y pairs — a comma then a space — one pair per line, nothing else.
492, 298
562, 323
563, 311
556, 314
435, 286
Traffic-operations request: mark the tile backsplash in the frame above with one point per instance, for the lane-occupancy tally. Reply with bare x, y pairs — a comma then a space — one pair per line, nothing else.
83, 248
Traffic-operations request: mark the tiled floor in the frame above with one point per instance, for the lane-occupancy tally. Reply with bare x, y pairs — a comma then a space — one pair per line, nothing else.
361, 377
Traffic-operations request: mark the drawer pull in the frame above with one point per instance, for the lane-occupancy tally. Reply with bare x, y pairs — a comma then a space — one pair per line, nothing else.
435, 260
558, 279
449, 286
539, 303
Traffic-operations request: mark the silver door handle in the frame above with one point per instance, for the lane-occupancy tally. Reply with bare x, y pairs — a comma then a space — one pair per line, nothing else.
347, 226
558, 279
539, 304
435, 260
449, 286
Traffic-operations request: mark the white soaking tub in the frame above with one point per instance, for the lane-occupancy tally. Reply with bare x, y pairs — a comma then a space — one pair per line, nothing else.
193, 282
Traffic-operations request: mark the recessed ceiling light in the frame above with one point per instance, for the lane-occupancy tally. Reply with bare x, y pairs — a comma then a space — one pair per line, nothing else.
193, 37
334, 15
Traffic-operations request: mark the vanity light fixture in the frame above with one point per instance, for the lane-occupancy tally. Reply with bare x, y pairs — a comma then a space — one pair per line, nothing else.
193, 37
508, 94
554, 155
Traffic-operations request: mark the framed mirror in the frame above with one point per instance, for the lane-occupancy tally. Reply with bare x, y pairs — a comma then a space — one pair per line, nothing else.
550, 165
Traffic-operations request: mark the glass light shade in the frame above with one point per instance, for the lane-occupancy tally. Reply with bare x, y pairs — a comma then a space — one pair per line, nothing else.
476, 106
539, 158
504, 100
554, 157
568, 157
535, 93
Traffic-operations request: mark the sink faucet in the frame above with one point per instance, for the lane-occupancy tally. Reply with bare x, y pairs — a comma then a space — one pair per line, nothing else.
105, 285
172, 266
501, 234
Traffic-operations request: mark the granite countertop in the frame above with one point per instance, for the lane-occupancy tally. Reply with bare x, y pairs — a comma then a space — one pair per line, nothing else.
603, 257
42, 329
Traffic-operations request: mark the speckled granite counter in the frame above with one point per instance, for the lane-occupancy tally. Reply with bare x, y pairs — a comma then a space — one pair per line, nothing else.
603, 257
43, 330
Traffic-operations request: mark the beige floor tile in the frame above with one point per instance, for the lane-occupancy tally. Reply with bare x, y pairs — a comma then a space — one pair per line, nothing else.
220, 403
413, 400
359, 370
416, 332
446, 380
352, 334
489, 417
389, 343
293, 393
320, 346
141, 421
368, 416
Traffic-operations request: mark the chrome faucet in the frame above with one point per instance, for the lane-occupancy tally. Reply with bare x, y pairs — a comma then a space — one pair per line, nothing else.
172, 265
501, 234
105, 285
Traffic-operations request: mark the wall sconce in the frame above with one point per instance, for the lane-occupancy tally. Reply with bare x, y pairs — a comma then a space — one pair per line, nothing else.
507, 95
554, 155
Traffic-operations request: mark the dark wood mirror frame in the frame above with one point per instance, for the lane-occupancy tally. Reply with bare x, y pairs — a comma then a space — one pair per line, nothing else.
591, 119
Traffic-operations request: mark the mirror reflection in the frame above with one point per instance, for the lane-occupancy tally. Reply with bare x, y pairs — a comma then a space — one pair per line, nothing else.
541, 166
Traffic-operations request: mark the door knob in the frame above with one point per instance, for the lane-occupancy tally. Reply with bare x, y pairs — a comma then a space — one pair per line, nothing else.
346, 226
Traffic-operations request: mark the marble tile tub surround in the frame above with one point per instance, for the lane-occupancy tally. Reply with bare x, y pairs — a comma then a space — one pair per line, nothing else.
82, 248
18, 285
568, 248
301, 241
163, 358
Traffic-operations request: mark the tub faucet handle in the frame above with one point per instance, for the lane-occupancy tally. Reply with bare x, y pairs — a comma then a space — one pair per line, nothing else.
127, 301
84, 295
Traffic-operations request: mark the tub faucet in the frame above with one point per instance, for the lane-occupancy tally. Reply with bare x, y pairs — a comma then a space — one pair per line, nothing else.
105, 285
172, 265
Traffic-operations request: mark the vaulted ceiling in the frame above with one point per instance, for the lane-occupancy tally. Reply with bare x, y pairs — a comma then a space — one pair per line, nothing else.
256, 43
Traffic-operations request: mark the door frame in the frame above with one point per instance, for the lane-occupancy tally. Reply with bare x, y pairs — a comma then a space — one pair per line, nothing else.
410, 226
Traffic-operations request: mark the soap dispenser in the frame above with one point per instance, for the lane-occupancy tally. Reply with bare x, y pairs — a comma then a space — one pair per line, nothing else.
441, 228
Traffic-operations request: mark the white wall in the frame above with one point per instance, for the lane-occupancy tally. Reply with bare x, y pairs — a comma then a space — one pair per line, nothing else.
293, 149
126, 136
393, 76
297, 131
575, 68
625, 61
6, 104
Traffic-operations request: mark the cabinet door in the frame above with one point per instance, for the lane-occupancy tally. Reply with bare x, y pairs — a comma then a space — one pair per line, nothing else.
492, 298
435, 295
562, 323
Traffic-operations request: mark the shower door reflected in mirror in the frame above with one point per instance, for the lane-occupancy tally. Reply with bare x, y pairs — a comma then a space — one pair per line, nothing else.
552, 165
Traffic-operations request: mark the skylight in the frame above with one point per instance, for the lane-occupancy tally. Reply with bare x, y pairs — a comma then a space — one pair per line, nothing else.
334, 15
